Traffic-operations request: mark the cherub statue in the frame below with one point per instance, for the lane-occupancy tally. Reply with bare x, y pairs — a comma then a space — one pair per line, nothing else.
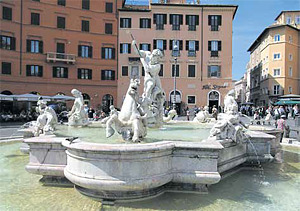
77, 116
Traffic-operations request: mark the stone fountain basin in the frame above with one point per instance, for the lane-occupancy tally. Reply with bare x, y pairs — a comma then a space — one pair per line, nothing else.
139, 167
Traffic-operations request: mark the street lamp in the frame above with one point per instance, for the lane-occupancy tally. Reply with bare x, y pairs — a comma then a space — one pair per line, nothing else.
175, 54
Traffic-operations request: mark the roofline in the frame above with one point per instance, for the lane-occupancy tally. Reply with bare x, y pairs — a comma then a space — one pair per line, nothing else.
264, 31
134, 10
285, 11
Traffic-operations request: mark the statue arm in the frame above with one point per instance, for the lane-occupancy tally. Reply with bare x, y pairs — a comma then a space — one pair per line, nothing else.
137, 51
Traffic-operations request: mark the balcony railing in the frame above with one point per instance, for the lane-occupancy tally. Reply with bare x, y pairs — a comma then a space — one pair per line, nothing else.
61, 57
191, 53
192, 27
175, 27
159, 26
214, 53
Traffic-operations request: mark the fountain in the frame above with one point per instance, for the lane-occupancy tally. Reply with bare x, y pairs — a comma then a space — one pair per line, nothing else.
113, 171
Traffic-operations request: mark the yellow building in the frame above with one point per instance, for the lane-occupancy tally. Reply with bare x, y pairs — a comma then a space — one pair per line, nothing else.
274, 60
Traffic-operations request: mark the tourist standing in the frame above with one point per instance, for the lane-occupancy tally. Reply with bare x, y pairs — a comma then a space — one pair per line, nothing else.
281, 124
215, 112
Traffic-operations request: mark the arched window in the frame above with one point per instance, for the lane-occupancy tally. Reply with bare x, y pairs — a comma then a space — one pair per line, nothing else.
107, 101
6, 92
178, 96
86, 98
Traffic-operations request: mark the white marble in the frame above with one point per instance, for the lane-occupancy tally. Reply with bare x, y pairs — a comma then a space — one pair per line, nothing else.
203, 116
77, 116
172, 113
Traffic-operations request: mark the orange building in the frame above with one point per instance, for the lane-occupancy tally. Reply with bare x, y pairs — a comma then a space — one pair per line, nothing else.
53, 46
203, 34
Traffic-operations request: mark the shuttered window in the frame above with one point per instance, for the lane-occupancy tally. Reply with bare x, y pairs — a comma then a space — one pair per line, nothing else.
34, 46
34, 70
83, 73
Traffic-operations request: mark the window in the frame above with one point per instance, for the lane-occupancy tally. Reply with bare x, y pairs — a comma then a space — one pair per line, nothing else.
191, 99
276, 89
175, 46
214, 21
109, 7
176, 21
84, 73
86, 4
8, 43
175, 69
108, 53
288, 20
192, 21
6, 13
61, 2
214, 71
191, 71
108, 28
34, 70
290, 57
85, 51
125, 22
290, 38
34, 46
85, 26
161, 71
290, 90
35, 18
61, 22
276, 72
145, 23
214, 47
297, 19
124, 70
160, 20
145, 47
60, 72
192, 46
143, 71
125, 48
6, 68
290, 71
276, 56
160, 44
277, 37
135, 72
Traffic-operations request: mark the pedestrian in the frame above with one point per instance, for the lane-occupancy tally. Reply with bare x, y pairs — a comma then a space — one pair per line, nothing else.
188, 114
215, 112
281, 124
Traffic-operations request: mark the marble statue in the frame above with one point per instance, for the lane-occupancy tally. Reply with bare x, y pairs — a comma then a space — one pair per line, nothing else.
229, 124
153, 97
203, 116
77, 116
129, 122
170, 116
46, 121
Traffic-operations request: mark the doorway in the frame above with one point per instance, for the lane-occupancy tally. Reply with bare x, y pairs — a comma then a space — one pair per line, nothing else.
213, 100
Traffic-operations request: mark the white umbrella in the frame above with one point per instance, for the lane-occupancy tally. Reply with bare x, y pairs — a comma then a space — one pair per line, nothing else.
6, 97
62, 97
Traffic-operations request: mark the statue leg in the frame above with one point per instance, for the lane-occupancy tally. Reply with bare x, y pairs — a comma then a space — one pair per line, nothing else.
138, 130
109, 129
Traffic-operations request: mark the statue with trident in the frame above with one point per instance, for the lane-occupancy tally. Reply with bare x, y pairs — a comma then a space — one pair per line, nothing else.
153, 96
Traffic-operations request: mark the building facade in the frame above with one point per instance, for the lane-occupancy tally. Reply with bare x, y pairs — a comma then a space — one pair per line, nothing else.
240, 88
202, 63
274, 60
50, 47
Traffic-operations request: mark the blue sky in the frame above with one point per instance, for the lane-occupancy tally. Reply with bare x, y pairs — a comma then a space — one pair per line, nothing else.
250, 20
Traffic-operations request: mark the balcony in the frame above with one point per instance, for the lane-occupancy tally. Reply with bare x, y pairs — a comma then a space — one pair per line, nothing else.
192, 27
191, 53
175, 27
214, 54
61, 57
159, 26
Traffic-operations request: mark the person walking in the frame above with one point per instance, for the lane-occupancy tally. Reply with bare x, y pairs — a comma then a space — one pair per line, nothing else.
281, 124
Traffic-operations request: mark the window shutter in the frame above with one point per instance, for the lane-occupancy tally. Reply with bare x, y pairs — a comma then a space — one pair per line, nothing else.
28, 47
1, 45
54, 72
165, 18
41, 47
219, 72
103, 53
129, 48
170, 45
90, 74
13, 43
113, 75
149, 47
121, 22
209, 20
219, 45
113, 53
186, 45
40, 73
141, 23
79, 50
209, 45
79, 73
197, 45
66, 72
187, 17
28, 70
197, 19
171, 19
129, 22
208, 71
154, 44
165, 44
149, 23
180, 19
121, 48
140, 46
102, 74
154, 18
220, 20
180, 45
90, 52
